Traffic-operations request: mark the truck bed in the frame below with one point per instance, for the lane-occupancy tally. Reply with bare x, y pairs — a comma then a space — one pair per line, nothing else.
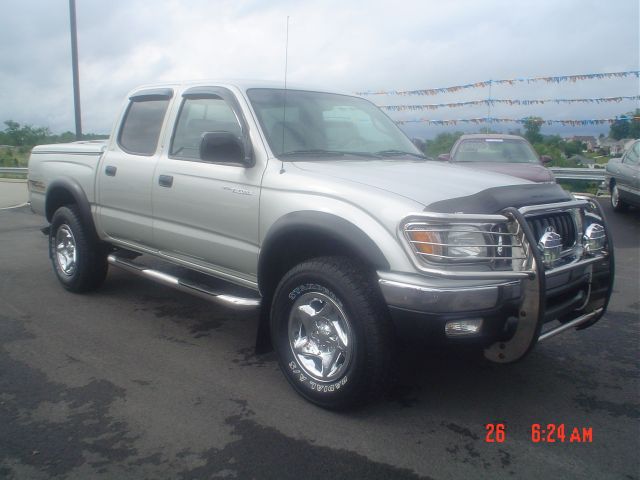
77, 160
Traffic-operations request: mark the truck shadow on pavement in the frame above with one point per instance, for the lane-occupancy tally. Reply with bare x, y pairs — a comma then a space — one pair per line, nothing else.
423, 376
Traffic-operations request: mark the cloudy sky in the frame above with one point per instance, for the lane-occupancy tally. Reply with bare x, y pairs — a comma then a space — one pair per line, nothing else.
349, 45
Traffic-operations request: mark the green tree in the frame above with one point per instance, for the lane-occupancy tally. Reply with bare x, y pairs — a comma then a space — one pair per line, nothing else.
441, 144
18, 135
532, 127
553, 151
418, 142
573, 148
619, 129
634, 127
626, 126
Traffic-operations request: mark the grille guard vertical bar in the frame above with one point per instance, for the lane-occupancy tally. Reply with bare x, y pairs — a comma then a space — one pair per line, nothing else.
611, 259
531, 311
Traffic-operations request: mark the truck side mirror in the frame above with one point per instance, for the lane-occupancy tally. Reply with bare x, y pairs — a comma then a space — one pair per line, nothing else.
546, 159
222, 147
444, 157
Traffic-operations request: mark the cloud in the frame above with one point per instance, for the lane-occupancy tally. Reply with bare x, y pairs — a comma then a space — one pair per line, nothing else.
356, 45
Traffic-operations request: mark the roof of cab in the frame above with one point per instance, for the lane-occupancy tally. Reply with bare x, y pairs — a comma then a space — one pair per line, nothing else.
240, 84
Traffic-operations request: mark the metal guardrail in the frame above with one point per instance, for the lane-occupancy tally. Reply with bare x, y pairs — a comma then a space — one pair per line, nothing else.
594, 174
15, 170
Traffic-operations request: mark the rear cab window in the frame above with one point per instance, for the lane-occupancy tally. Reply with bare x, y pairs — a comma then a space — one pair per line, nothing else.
142, 123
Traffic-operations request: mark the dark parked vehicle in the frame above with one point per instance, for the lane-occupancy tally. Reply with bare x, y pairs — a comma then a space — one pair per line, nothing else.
622, 178
507, 154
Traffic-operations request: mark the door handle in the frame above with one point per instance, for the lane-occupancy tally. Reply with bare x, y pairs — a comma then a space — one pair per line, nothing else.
110, 170
165, 181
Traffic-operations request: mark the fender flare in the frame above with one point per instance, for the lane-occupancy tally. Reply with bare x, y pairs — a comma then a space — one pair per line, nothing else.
70, 186
326, 224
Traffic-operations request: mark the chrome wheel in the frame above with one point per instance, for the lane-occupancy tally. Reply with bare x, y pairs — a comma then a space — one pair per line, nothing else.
320, 336
65, 245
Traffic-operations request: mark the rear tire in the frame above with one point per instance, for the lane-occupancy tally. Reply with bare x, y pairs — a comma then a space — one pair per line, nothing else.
332, 332
617, 204
79, 258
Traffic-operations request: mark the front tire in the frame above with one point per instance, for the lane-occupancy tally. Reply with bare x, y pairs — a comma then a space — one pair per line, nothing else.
616, 203
332, 332
79, 259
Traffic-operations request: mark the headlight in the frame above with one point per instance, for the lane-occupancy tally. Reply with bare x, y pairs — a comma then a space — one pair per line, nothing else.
447, 242
466, 242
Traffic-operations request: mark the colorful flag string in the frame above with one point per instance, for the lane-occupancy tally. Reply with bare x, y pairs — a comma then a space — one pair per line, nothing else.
510, 81
572, 123
506, 101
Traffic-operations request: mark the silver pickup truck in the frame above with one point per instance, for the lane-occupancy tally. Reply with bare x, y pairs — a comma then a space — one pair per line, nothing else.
316, 209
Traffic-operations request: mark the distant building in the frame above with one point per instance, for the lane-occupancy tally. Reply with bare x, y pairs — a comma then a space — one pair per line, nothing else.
614, 147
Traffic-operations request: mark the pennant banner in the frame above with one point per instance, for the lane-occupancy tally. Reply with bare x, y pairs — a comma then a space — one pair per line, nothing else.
510, 81
505, 101
572, 123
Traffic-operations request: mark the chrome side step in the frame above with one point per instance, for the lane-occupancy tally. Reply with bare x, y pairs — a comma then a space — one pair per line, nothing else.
183, 285
573, 323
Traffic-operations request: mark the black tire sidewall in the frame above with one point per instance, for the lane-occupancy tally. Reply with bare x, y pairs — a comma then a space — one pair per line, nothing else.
345, 390
90, 269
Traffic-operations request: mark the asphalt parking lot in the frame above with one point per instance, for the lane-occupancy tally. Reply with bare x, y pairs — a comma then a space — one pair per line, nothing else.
138, 381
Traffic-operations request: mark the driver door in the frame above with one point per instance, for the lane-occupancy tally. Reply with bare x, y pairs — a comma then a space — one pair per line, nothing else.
206, 213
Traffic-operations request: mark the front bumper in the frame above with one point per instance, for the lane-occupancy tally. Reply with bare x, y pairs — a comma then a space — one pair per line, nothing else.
515, 311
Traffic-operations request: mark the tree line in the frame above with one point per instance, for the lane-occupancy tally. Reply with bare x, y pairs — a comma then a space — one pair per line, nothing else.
22, 138
17, 135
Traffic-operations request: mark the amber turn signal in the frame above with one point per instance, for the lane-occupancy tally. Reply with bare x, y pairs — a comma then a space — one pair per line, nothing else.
426, 242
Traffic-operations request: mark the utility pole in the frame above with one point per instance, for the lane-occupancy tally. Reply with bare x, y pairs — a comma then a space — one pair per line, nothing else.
74, 66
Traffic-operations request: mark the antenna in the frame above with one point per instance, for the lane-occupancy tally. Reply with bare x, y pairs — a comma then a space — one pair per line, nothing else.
284, 99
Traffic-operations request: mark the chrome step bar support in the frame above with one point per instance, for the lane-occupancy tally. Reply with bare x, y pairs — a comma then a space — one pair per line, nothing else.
573, 323
184, 286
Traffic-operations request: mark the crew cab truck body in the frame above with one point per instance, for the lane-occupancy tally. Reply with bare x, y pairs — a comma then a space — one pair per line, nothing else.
317, 209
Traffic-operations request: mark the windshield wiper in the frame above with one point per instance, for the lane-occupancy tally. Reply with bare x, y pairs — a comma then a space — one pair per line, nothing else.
320, 151
312, 151
397, 153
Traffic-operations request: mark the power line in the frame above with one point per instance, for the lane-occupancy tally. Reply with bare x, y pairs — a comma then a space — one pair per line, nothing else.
564, 122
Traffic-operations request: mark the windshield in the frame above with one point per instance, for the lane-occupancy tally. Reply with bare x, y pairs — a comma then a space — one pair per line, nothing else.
497, 150
326, 124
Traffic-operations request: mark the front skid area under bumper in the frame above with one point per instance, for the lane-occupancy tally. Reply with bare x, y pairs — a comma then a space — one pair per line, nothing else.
515, 314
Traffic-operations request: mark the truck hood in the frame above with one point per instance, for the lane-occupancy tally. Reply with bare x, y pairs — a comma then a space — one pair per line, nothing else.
528, 171
424, 182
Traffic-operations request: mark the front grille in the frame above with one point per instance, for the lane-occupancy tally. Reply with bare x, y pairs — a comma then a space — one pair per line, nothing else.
562, 223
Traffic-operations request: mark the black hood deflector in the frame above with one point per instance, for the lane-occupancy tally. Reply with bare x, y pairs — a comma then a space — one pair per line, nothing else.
496, 199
